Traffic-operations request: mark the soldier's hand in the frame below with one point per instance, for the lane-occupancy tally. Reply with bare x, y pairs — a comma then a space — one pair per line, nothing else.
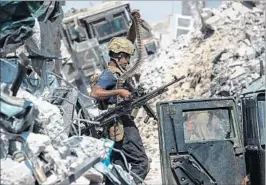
123, 93
245, 181
136, 13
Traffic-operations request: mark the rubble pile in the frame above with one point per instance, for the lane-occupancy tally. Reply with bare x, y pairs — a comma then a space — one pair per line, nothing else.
219, 59
51, 148
36, 145
218, 62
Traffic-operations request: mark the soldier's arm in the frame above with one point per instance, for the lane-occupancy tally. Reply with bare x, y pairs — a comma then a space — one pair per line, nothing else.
131, 35
99, 93
105, 81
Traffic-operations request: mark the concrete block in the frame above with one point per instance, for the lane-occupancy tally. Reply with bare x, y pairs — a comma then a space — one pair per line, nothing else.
36, 142
239, 72
81, 181
94, 176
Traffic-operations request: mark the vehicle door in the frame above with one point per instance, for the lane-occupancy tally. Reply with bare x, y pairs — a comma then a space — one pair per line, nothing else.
200, 142
253, 111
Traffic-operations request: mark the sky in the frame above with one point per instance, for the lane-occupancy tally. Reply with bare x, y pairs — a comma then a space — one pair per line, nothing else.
152, 11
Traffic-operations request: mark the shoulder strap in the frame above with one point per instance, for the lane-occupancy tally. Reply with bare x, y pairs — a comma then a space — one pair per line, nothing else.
114, 70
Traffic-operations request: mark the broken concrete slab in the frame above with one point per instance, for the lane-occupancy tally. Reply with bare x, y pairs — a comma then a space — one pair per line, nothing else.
36, 142
82, 180
94, 176
213, 20
250, 53
92, 146
50, 117
236, 63
239, 7
226, 56
207, 13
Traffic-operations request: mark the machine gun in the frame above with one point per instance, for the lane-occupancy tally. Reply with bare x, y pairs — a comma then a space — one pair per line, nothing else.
136, 101
137, 93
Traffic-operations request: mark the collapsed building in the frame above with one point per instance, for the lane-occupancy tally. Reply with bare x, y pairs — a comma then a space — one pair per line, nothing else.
220, 62
41, 136
37, 113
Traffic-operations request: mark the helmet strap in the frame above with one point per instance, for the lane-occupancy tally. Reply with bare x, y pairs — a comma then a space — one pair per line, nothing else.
118, 65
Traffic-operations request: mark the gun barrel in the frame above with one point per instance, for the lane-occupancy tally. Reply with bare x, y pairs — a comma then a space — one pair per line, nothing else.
160, 89
174, 81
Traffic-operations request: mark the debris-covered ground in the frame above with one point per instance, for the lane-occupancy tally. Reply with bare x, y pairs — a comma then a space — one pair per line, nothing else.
35, 125
51, 147
222, 64
220, 61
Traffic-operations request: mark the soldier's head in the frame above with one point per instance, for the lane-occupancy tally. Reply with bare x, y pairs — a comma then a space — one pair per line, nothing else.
120, 50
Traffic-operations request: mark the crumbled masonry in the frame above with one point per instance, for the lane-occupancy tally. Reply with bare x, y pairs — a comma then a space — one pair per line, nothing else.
220, 60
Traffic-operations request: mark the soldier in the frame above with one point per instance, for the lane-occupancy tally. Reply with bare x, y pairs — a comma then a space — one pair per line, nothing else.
125, 133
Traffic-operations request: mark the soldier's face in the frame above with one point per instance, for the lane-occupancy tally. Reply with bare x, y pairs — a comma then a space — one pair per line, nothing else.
124, 60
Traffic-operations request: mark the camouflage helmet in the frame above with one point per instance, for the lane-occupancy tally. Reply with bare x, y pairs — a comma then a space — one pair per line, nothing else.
120, 44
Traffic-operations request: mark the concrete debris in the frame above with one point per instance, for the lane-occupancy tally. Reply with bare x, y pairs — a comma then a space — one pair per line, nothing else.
54, 150
81, 180
221, 64
94, 176
50, 145
37, 142
4, 145
15, 173
50, 116
91, 147
219, 60
207, 14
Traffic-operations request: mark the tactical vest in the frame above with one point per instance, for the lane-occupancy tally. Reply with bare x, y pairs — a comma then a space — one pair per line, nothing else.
103, 104
116, 131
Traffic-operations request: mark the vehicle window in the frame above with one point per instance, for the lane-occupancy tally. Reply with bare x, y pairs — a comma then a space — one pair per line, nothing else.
261, 115
117, 25
103, 29
107, 28
214, 124
250, 112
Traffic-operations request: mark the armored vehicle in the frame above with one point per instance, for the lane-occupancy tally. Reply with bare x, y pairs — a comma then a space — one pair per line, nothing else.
253, 119
214, 141
86, 33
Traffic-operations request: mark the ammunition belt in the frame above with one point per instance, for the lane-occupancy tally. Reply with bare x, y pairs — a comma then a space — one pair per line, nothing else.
127, 74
